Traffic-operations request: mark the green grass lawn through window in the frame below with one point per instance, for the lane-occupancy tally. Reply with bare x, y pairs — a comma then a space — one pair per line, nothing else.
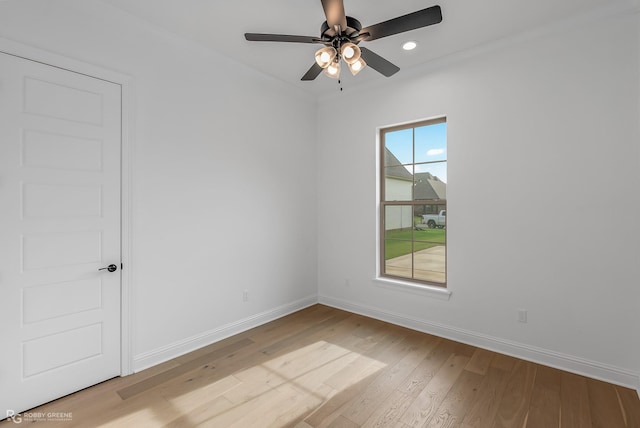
398, 242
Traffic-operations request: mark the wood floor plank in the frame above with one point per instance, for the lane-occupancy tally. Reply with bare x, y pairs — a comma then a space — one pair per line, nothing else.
313, 381
286, 369
302, 404
134, 412
366, 328
299, 322
295, 338
342, 422
428, 367
389, 411
409, 354
514, 406
333, 407
155, 411
273, 412
322, 367
353, 379
457, 402
604, 405
480, 361
193, 399
465, 350
425, 405
252, 412
629, 403
172, 373
201, 415
392, 346
483, 411
368, 359
574, 402
544, 407
503, 362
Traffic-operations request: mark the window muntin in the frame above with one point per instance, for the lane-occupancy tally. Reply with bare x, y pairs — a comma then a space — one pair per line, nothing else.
413, 202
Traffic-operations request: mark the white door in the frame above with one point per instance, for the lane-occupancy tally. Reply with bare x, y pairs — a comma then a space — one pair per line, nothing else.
59, 223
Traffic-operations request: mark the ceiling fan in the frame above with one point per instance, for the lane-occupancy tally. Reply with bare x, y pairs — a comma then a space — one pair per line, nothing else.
341, 34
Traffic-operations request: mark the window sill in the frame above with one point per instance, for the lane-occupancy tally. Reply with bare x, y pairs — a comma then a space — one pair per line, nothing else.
422, 290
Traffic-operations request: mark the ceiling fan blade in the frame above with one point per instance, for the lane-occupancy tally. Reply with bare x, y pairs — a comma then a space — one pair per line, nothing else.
334, 11
258, 37
422, 18
313, 72
378, 63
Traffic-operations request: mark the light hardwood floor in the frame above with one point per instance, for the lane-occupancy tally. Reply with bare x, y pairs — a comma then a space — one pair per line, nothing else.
323, 367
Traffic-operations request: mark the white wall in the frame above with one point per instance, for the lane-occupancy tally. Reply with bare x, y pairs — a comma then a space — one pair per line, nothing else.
542, 193
219, 150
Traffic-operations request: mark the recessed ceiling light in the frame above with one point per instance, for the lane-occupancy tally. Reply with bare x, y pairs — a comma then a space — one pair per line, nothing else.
410, 45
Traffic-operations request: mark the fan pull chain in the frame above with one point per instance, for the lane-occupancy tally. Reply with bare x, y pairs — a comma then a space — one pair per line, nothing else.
340, 84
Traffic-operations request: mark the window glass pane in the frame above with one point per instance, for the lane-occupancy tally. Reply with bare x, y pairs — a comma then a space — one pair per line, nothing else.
424, 212
431, 143
398, 183
430, 181
398, 221
430, 263
398, 147
431, 223
398, 258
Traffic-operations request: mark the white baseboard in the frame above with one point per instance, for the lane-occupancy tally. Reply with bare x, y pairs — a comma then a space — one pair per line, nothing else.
165, 353
534, 354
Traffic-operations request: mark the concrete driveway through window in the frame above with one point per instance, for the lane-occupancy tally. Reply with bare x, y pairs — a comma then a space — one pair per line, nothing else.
428, 265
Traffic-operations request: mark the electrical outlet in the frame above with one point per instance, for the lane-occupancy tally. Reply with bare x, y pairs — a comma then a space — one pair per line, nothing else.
522, 315
245, 296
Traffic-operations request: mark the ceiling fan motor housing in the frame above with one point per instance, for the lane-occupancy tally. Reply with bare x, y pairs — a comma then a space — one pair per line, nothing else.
353, 30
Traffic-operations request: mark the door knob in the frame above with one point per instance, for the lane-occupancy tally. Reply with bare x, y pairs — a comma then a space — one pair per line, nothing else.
110, 268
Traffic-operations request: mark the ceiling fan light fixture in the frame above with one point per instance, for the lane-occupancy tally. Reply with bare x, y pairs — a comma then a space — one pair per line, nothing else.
333, 70
350, 52
357, 66
326, 56
340, 35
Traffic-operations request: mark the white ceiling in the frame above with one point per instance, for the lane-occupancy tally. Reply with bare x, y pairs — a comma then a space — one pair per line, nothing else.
221, 25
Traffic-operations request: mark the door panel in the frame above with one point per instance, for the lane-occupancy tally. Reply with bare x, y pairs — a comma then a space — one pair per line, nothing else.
60, 200
55, 99
60, 145
47, 150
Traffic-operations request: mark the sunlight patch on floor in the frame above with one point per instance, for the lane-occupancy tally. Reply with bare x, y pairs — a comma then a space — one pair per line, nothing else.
277, 391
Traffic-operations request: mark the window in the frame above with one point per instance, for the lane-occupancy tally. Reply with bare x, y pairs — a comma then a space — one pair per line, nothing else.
413, 205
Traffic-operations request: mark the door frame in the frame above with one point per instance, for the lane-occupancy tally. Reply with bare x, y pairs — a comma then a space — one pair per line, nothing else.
126, 164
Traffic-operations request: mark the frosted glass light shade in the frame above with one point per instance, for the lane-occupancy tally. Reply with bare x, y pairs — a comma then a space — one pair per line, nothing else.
350, 52
333, 70
357, 66
325, 56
